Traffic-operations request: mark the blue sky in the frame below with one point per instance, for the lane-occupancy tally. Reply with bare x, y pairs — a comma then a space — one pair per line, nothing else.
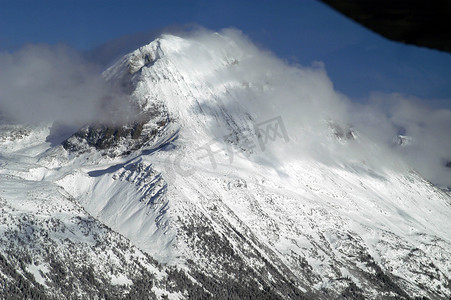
358, 61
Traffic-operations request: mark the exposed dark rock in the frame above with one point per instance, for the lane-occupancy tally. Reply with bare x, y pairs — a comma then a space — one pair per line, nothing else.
117, 140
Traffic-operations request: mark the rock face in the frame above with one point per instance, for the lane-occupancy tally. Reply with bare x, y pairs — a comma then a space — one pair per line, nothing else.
115, 140
120, 139
198, 199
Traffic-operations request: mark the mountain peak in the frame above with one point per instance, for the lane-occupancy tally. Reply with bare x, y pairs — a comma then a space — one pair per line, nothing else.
246, 177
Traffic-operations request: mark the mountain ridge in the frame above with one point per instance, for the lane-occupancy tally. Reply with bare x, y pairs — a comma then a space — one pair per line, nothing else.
220, 185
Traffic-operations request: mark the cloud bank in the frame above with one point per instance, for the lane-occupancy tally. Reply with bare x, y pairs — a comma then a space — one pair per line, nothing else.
54, 83
389, 131
421, 135
42, 83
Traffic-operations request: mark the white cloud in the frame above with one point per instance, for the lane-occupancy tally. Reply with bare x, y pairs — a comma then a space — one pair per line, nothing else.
53, 83
308, 104
43, 83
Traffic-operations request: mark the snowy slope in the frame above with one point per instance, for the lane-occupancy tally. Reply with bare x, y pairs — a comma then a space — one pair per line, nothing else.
51, 248
227, 181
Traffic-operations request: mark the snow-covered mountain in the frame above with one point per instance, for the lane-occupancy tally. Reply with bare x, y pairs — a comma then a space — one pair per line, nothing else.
240, 177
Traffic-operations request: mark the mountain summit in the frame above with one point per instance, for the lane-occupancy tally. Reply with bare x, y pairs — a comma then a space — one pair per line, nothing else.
239, 177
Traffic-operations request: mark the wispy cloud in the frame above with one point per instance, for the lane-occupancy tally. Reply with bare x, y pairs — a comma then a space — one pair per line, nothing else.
391, 130
54, 83
42, 83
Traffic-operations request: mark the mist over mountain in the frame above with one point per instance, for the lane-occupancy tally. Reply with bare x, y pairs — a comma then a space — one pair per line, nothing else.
46, 83
42, 83
219, 171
